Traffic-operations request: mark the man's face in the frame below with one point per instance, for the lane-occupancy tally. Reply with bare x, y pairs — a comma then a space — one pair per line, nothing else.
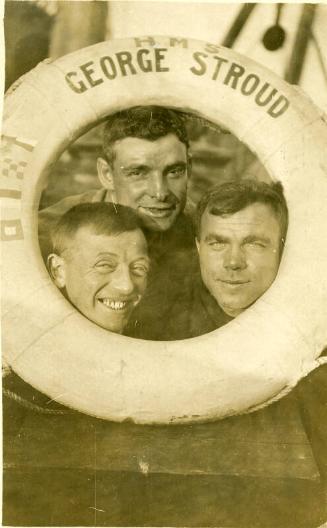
239, 255
150, 177
105, 276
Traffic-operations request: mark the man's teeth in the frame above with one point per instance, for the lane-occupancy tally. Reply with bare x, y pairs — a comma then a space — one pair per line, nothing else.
114, 305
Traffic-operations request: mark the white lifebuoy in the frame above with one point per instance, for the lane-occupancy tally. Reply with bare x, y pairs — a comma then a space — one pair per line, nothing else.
266, 349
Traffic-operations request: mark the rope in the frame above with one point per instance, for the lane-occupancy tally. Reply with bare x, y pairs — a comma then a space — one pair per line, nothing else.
33, 406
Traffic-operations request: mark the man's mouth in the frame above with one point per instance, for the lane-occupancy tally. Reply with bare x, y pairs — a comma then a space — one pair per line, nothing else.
118, 305
234, 282
159, 211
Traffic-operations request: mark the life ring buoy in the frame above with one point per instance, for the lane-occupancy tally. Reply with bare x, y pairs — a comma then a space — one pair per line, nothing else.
266, 349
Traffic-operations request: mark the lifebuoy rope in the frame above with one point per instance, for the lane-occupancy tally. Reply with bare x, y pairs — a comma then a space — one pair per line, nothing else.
33, 406
6, 371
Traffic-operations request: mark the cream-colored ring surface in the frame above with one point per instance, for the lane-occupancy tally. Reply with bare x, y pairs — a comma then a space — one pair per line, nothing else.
250, 360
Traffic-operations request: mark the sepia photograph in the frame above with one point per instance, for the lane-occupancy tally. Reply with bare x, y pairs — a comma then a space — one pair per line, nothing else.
164, 257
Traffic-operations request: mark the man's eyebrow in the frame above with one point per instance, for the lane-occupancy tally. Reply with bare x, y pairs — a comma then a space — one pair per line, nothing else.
214, 237
176, 164
257, 238
106, 254
145, 258
134, 166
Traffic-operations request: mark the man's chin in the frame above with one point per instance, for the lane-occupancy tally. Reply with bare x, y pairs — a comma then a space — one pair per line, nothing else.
158, 224
115, 323
232, 307
111, 327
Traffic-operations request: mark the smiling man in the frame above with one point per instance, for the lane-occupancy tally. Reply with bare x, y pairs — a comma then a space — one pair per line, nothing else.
241, 229
100, 262
146, 169
144, 165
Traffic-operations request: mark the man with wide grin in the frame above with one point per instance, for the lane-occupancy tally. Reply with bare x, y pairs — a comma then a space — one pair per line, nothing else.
100, 262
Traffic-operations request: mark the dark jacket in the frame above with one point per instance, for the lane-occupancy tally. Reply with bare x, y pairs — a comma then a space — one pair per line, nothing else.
192, 312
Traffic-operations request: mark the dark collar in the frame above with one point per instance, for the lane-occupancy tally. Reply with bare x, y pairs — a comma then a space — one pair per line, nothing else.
209, 303
180, 236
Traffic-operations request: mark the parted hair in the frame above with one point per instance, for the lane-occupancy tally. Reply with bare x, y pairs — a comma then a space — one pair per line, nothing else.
103, 218
144, 122
230, 197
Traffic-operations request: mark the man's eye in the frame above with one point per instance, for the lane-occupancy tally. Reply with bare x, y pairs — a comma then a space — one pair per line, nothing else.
257, 244
136, 173
177, 172
105, 267
217, 244
140, 270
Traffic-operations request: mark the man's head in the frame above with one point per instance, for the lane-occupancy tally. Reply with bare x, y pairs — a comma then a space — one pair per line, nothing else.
100, 261
241, 229
145, 163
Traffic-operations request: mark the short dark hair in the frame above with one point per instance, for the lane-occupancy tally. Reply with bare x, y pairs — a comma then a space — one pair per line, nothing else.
104, 218
144, 122
230, 197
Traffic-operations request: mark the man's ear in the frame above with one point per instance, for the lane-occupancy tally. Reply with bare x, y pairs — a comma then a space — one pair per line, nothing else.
56, 268
197, 243
105, 174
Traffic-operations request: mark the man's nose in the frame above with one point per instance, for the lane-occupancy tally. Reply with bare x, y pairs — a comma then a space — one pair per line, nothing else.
234, 258
121, 281
158, 187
